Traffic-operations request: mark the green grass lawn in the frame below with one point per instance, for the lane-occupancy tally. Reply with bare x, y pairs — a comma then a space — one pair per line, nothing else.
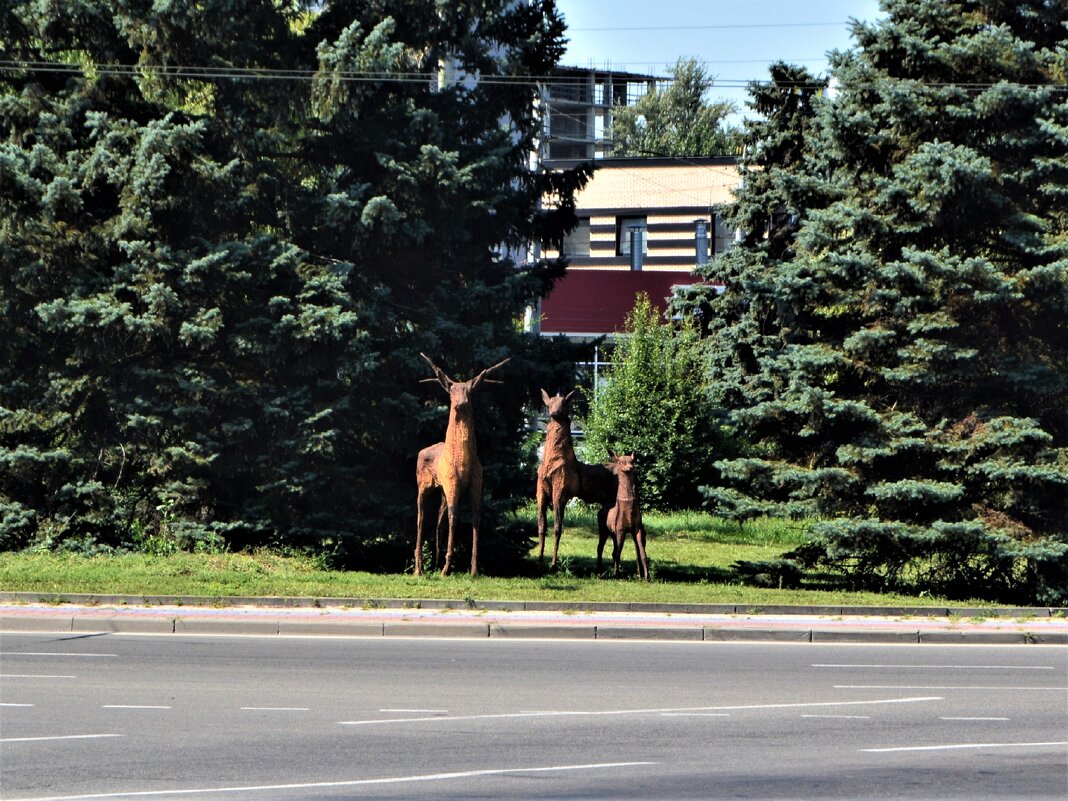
690, 554
684, 547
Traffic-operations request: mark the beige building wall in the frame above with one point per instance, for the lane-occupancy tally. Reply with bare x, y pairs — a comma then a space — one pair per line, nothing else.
621, 185
662, 196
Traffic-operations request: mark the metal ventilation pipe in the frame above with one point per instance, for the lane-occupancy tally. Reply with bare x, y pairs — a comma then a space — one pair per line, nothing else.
636, 238
701, 241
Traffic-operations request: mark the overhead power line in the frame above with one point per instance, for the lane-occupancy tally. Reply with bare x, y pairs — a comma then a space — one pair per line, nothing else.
191, 72
837, 24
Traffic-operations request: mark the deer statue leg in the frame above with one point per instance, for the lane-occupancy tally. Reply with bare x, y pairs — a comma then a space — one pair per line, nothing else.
543, 511
420, 506
602, 538
447, 565
442, 510
559, 503
619, 537
476, 515
603, 533
639, 546
606, 524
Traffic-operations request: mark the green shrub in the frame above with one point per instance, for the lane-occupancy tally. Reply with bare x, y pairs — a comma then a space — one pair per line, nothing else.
654, 404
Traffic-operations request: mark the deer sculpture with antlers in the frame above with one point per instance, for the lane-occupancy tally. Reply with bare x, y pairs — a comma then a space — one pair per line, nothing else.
452, 466
561, 476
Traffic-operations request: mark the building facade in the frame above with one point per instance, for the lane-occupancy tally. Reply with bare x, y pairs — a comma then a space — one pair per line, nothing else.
578, 104
644, 225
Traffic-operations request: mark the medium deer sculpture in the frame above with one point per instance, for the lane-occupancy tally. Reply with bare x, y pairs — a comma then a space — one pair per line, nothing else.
452, 466
561, 476
625, 518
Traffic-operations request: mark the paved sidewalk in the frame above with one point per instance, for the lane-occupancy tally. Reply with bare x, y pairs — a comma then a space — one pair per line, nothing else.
23, 612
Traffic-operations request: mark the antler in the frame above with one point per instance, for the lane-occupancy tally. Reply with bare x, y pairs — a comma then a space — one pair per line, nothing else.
439, 374
442, 378
478, 379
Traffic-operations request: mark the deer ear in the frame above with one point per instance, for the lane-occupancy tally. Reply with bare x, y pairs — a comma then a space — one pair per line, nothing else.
569, 395
545, 397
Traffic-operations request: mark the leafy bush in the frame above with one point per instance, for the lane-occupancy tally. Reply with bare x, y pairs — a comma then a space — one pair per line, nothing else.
653, 404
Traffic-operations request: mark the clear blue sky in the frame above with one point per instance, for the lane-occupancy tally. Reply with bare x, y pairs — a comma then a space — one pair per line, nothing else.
736, 39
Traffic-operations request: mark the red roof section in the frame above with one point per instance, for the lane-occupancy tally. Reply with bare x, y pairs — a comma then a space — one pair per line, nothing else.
595, 302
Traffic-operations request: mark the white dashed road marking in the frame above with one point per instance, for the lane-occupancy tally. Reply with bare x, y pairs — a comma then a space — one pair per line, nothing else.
53, 653
427, 777
840, 717
58, 737
943, 667
963, 718
960, 746
616, 712
695, 714
943, 687
275, 709
133, 706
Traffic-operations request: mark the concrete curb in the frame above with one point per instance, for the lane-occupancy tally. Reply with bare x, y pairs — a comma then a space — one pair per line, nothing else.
11, 624
510, 621
287, 602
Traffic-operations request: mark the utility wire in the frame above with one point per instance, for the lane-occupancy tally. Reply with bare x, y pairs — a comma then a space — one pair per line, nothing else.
190, 72
837, 24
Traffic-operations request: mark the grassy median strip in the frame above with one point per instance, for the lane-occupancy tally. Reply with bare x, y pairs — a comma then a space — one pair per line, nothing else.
691, 556
266, 575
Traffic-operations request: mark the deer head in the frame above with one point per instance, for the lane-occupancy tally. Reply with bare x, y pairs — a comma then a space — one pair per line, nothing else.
460, 391
558, 405
622, 463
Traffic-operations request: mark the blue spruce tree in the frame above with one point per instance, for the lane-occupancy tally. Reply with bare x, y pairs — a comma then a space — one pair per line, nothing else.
893, 338
227, 229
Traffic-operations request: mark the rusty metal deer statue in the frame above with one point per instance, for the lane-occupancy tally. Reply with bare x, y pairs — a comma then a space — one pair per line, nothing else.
452, 466
561, 476
625, 518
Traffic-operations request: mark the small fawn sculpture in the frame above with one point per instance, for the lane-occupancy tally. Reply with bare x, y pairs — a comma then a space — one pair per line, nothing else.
625, 518
561, 476
452, 466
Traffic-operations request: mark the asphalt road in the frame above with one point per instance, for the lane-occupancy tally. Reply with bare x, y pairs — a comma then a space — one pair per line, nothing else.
268, 718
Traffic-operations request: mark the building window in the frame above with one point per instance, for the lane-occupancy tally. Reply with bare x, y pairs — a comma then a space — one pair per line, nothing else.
623, 228
577, 243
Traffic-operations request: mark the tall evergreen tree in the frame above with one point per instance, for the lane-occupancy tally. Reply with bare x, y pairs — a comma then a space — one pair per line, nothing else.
901, 363
768, 208
226, 232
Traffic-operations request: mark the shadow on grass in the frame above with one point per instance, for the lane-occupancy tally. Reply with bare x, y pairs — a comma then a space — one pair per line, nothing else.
694, 574
685, 564
585, 567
